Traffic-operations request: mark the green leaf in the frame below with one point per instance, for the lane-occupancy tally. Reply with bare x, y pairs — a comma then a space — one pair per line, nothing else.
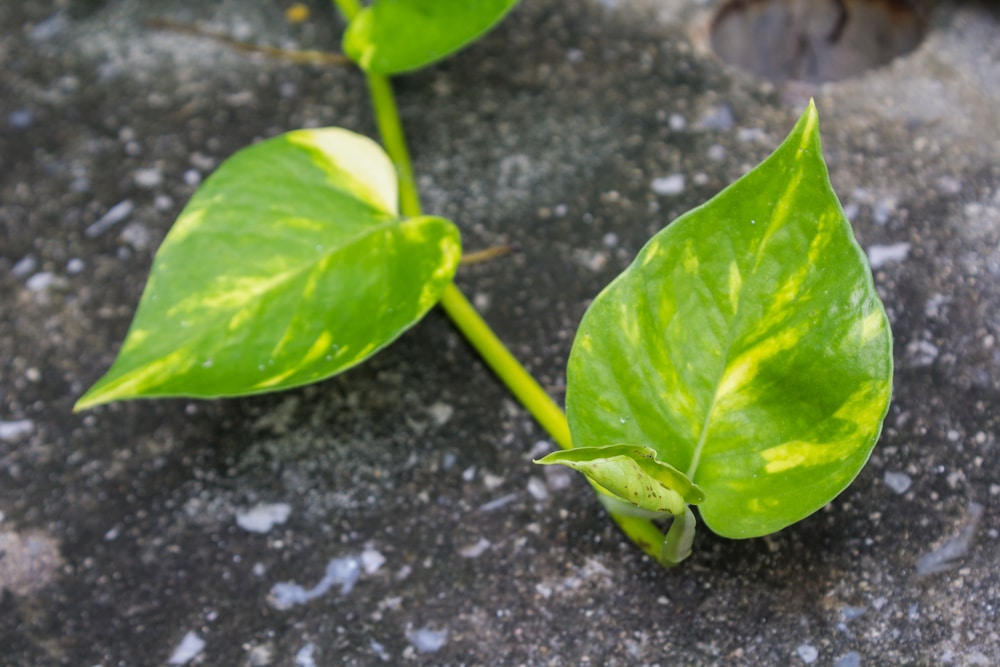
747, 345
394, 36
290, 264
631, 474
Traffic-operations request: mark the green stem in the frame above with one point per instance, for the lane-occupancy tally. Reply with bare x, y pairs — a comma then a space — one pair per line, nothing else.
479, 334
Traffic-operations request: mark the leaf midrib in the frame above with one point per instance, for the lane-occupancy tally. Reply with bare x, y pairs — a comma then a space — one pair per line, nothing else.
734, 326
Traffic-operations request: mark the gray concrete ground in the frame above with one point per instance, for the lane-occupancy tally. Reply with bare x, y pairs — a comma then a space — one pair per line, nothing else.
151, 533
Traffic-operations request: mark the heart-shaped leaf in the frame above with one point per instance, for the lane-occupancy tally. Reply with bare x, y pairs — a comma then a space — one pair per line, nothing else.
393, 36
631, 474
290, 264
747, 345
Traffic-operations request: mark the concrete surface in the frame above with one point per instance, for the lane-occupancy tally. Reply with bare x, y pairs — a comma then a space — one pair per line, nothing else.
392, 515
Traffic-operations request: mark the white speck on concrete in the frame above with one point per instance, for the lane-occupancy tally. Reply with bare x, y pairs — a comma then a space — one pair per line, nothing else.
28, 562
921, 353
668, 185
148, 178
492, 482
137, 235
852, 659
949, 185
15, 430
677, 122
592, 260
880, 255
717, 152
21, 119
934, 307
717, 118
24, 267
751, 134
883, 210
898, 482
263, 517
192, 177
49, 28
379, 650
343, 571
371, 561
261, 655
500, 502
808, 653
944, 557
40, 281
75, 266
475, 550
537, 489
304, 657
440, 413
115, 214
187, 650
469, 474
426, 640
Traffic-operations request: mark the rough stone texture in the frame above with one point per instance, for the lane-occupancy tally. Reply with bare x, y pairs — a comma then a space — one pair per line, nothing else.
549, 133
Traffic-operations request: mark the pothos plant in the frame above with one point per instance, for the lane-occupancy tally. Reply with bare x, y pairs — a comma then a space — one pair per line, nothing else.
742, 363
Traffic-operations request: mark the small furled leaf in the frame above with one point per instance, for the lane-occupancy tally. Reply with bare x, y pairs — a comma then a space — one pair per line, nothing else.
289, 265
394, 36
631, 474
747, 345
680, 538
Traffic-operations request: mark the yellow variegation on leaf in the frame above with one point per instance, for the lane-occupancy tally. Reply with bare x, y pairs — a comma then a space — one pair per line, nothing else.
747, 345
289, 265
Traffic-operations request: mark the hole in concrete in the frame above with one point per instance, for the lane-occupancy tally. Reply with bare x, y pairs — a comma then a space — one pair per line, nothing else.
816, 40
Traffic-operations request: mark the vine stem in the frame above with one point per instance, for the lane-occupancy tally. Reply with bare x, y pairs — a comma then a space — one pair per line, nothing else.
469, 322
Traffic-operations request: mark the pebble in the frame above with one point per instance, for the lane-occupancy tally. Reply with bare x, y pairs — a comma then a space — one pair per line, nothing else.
304, 657
668, 185
537, 489
187, 650
21, 119
426, 640
148, 178
921, 353
898, 482
40, 281
717, 152
475, 550
115, 214
137, 235
371, 561
880, 255
49, 28
751, 134
717, 118
24, 267
943, 558
852, 659
808, 653
15, 430
263, 517
440, 413
343, 571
